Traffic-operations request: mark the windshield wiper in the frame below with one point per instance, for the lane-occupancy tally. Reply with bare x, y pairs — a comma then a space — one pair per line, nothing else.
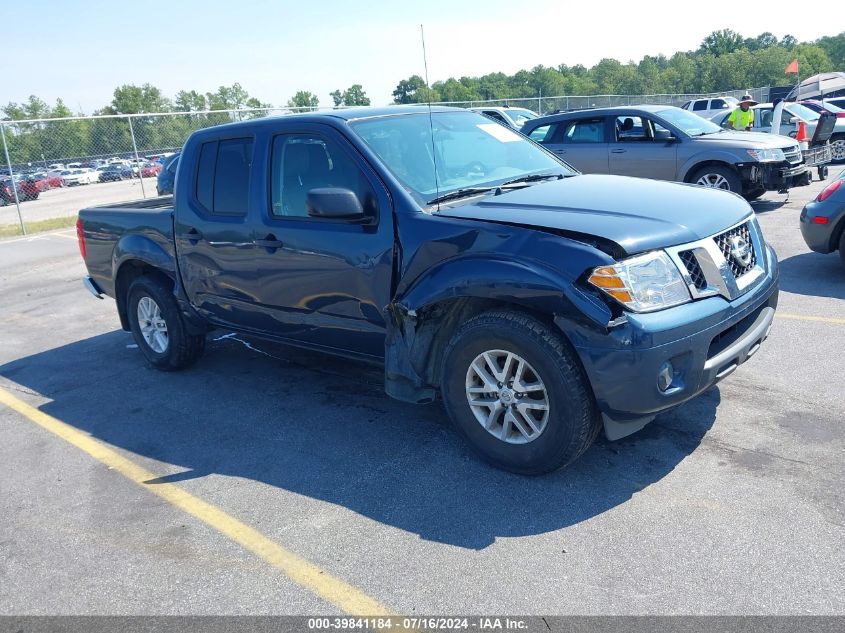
469, 191
460, 193
533, 178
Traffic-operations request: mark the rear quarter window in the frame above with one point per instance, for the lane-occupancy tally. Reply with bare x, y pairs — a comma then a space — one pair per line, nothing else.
205, 175
222, 177
542, 133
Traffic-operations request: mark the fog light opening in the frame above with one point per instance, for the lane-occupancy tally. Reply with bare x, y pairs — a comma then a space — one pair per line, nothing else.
665, 376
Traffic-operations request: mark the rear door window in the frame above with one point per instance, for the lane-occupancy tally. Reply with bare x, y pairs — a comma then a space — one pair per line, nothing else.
581, 131
699, 105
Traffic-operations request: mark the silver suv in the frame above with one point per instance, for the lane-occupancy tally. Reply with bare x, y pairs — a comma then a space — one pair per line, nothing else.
707, 108
668, 143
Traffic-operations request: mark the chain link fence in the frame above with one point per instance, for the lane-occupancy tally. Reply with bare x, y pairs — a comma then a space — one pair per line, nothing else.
549, 105
54, 167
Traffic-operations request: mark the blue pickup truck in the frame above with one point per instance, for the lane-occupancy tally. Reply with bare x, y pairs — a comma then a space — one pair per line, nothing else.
540, 304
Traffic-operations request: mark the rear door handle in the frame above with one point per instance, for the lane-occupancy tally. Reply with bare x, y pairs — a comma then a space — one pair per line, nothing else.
559, 151
618, 151
193, 236
269, 242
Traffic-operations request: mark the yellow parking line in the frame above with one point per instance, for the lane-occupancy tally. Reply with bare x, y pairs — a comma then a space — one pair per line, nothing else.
306, 574
802, 317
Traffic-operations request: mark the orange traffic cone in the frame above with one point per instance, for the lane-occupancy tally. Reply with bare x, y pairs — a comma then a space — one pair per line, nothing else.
801, 137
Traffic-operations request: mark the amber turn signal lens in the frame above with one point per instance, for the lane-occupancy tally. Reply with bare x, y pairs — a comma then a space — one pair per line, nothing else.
606, 282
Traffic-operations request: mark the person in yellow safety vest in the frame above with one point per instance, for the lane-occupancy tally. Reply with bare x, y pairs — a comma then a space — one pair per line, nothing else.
743, 117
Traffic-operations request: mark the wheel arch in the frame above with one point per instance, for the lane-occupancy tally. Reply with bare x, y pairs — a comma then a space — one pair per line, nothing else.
128, 271
688, 171
422, 322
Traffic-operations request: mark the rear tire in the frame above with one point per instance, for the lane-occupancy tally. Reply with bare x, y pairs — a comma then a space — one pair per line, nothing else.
556, 394
162, 336
718, 177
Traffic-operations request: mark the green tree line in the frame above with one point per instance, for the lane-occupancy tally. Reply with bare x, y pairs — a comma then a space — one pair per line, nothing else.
725, 60
48, 141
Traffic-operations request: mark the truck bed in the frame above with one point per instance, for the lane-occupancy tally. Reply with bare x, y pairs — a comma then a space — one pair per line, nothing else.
114, 228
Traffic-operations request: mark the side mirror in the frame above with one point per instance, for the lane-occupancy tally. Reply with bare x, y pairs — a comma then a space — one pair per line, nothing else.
793, 119
664, 135
333, 202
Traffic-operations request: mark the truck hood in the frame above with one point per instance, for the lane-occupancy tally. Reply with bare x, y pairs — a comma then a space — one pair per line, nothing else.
637, 214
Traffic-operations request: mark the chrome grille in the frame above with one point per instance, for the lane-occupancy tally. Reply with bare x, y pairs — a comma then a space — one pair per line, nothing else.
792, 154
694, 269
723, 241
711, 268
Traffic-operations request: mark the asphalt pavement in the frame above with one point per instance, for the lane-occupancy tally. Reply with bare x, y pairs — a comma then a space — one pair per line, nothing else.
732, 504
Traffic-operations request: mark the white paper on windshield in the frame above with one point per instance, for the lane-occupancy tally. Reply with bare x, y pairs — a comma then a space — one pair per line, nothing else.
499, 132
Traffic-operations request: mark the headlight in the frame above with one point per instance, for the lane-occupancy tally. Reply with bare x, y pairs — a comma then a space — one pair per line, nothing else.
643, 283
767, 155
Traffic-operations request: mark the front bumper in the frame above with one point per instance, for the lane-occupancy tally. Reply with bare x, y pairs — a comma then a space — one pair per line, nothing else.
774, 176
704, 341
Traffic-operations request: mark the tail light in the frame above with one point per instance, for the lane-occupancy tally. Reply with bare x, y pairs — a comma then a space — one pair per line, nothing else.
80, 236
828, 191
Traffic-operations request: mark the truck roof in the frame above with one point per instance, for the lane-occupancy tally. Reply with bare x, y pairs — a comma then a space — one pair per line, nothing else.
346, 114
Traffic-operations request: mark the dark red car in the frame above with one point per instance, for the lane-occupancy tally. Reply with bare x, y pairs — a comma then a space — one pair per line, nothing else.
151, 170
26, 191
42, 182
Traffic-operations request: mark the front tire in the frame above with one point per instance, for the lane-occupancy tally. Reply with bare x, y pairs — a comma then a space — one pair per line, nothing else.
158, 328
516, 391
754, 194
718, 177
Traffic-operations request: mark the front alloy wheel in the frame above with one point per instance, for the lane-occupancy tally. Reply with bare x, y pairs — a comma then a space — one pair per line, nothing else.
714, 181
507, 396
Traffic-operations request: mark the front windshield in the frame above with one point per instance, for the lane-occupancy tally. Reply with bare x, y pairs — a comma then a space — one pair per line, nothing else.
803, 112
470, 150
520, 115
692, 124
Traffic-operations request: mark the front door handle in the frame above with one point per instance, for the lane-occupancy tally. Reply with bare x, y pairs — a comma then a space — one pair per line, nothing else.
618, 151
193, 236
269, 242
559, 151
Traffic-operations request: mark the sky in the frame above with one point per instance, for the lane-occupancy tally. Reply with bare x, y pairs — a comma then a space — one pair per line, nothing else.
81, 51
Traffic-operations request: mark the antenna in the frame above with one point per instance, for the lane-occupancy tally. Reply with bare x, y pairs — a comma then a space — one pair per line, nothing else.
430, 119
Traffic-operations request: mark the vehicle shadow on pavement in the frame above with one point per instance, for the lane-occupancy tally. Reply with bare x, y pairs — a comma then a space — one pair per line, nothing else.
765, 206
813, 274
323, 427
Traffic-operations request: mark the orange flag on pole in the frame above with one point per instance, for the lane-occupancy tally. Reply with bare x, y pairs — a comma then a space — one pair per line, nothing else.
793, 67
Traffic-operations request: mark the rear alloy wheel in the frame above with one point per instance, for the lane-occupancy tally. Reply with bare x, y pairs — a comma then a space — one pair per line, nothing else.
517, 392
158, 328
716, 177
